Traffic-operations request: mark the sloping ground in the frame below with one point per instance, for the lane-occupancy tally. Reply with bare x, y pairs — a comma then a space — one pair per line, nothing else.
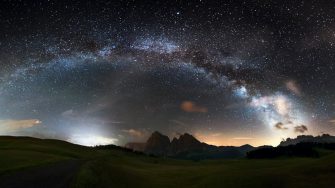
29, 162
115, 168
54, 175
120, 171
23, 152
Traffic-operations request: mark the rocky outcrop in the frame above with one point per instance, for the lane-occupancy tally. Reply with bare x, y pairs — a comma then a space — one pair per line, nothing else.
184, 143
325, 138
187, 147
157, 144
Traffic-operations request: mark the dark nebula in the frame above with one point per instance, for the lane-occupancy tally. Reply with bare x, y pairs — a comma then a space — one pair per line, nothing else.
228, 72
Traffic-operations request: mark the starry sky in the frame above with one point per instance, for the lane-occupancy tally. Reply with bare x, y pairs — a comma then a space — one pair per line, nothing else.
111, 72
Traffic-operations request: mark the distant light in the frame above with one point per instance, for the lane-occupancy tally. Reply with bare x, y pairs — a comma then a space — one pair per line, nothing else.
38, 122
91, 140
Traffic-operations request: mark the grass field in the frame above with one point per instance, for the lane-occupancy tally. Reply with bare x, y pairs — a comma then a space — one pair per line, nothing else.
115, 168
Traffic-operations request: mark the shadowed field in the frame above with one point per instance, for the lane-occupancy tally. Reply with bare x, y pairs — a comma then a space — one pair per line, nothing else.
32, 161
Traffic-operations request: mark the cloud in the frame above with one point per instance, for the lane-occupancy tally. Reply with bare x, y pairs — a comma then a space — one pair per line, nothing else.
300, 129
216, 134
189, 106
68, 113
180, 123
280, 126
13, 125
293, 87
134, 133
243, 138
332, 121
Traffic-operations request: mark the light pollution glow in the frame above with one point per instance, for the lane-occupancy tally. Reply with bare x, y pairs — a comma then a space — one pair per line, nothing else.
229, 78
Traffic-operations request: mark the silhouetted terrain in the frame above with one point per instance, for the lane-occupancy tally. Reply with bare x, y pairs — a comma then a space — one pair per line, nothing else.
31, 162
54, 175
325, 138
302, 146
187, 147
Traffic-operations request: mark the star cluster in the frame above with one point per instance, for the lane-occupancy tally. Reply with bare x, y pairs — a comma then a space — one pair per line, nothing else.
229, 72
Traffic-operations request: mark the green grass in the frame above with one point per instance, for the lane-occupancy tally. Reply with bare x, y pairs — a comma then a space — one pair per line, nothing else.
114, 168
22, 152
133, 172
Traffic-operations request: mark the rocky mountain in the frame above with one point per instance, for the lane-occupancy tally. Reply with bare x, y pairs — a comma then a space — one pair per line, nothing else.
184, 143
187, 147
325, 138
157, 144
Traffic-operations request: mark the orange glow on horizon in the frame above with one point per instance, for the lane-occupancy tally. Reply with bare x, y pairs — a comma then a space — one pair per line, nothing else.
224, 140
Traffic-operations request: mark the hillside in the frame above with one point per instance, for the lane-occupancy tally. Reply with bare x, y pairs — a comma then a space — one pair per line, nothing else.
34, 161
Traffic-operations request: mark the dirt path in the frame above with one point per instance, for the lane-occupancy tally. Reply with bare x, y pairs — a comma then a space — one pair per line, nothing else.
56, 175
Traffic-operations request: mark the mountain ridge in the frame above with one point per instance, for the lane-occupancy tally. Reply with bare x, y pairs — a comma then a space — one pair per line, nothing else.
187, 147
324, 138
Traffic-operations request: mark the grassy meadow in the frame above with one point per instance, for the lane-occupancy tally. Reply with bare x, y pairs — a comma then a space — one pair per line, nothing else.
117, 168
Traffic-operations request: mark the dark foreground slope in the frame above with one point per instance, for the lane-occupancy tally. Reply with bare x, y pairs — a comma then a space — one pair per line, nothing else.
54, 175
303, 149
93, 167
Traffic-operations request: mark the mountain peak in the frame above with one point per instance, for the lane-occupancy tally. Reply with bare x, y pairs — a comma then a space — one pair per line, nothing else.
157, 143
156, 133
188, 138
188, 147
185, 142
246, 146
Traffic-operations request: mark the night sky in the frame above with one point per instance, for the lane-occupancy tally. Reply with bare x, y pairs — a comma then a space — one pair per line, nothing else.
107, 72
